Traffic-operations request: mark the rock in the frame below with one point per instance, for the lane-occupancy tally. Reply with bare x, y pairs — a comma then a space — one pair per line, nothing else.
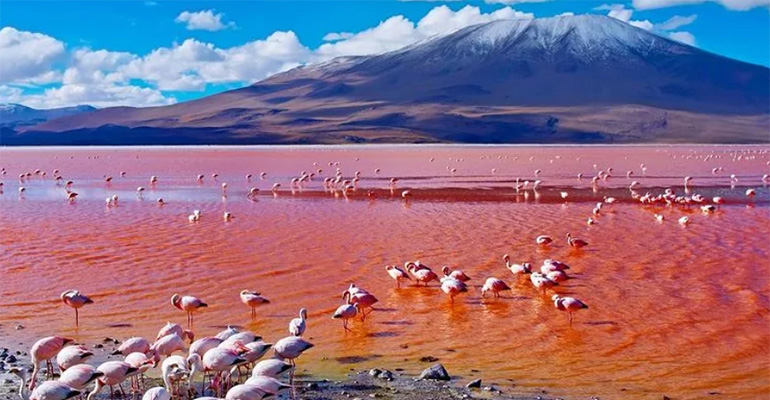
428, 359
98, 346
474, 384
374, 372
312, 386
11, 359
386, 375
436, 372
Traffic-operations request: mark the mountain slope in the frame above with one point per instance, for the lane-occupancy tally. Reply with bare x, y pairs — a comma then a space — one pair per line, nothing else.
17, 114
579, 79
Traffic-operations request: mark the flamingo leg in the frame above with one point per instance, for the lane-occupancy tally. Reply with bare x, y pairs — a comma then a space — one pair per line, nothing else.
76, 318
122, 393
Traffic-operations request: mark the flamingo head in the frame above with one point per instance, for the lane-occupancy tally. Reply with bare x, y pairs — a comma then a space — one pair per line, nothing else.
176, 301
445, 270
506, 258
189, 334
303, 313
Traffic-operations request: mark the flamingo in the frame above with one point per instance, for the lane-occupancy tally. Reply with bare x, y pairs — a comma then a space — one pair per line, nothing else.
297, 326
576, 243
44, 350
241, 338
568, 304
457, 274
72, 355
75, 299
290, 348
156, 393
227, 332
750, 193
452, 287
253, 299
219, 360
115, 372
495, 286
364, 300
246, 392
133, 345
269, 385
397, 273
173, 370
421, 273
143, 363
553, 265
79, 376
541, 281
188, 304
684, 221
176, 329
557, 276
53, 390
203, 345
272, 368
167, 345
543, 240
517, 269
22, 374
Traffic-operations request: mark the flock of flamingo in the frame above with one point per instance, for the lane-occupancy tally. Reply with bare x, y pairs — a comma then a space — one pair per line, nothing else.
232, 361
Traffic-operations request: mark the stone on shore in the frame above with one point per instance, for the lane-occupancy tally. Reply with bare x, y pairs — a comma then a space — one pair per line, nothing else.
437, 372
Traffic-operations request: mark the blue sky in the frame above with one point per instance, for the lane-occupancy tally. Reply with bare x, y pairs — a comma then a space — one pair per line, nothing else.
141, 53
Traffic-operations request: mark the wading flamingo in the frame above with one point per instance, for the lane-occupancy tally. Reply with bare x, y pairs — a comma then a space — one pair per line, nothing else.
457, 274
576, 243
253, 299
543, 240
72, 355
53, 390
79, 376
568, 304
452, 287
44, 350
75, 299
517, 269
495, 286
133, 345
297, 326
397, 273
272, 368
188, 304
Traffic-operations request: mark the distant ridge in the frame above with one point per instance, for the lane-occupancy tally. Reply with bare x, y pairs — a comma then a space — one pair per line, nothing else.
571, 79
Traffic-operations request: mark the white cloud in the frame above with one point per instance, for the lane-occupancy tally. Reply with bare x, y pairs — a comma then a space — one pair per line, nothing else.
740, 5
27, 56
205, 20
512, 2
398, 31
566, 14
334, 36
98, 95
621, 13
684, 37
676, 22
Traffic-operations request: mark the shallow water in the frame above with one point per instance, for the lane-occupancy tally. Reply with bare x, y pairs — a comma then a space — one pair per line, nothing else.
680, 311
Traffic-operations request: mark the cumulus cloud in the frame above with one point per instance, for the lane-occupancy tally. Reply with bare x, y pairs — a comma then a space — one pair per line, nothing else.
28, 56
512, 2
398, 31
684, 37
676, 22
205, 20
740, 5
334, 36
621, 13
98, 95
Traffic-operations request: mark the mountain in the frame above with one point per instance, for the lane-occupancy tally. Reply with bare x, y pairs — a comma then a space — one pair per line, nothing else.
571, 79
17, 114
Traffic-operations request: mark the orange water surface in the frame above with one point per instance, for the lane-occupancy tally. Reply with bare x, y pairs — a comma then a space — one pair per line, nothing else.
674, 310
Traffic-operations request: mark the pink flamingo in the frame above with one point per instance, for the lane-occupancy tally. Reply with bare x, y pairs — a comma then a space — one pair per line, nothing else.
44, 350
201, 346
457, 274
115, 372
397, 273
297, 326
452, 287
246, 392
272, 368
167, 345
345, 312
576, 243
133, 345
568, 304
253, 299
53, 390
517, 269
156, 393
364, 300
495, 286
75, 299
269, 385
72, 355
543, 240
421, 273
290, 348
541, 281
220, 360
172, 328
550, 265
79, 376
188, 304
142, 362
